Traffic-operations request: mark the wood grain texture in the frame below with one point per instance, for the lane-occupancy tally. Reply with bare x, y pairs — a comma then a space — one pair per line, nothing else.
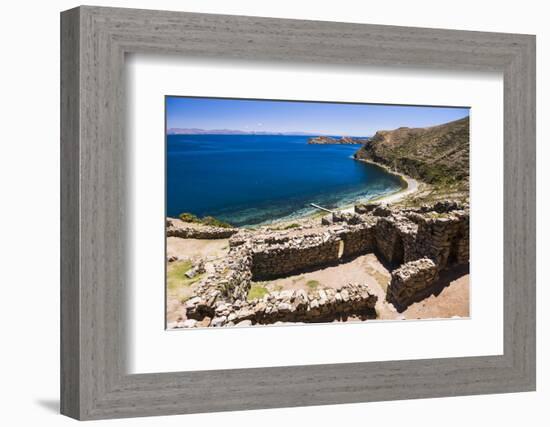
70, 292
94, 203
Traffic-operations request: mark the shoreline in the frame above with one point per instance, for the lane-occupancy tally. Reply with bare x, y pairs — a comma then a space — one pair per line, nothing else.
409, 186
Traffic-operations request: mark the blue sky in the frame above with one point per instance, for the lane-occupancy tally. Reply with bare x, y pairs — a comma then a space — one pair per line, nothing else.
314, 117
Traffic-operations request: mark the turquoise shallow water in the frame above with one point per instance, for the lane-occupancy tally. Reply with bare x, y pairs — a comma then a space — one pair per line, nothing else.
253, 179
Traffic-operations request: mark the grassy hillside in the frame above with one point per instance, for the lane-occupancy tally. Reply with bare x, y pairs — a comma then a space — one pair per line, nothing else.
438, 155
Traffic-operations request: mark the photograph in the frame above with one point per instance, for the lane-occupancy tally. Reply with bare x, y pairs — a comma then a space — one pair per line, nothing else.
286, 212
257, 214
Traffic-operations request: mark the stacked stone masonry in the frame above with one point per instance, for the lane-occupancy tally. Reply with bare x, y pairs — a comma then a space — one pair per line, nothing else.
277, 259
417, 242
411, 281
285, 306
186, 230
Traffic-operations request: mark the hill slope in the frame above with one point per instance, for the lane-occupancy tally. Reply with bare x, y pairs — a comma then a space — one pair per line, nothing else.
436, 155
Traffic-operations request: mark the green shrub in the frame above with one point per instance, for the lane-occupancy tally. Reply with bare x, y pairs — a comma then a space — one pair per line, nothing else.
256, 291
175, 273
289, 226
207, 220
214, 222
189, 217
312, 284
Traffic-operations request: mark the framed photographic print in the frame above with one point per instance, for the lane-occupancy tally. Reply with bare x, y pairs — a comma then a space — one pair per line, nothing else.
266, 225
290, 213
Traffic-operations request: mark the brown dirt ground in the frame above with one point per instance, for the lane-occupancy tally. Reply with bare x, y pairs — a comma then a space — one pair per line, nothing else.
451, 297
189, 249
196, 248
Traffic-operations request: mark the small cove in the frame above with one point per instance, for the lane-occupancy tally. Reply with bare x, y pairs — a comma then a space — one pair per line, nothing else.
253, 179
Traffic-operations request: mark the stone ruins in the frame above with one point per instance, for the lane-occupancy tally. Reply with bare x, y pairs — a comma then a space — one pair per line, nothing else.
416, 243
187, 230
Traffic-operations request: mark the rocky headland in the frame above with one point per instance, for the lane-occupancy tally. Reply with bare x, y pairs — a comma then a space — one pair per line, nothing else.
438, 156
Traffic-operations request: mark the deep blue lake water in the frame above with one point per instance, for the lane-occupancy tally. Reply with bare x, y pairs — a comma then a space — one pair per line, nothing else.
252, 179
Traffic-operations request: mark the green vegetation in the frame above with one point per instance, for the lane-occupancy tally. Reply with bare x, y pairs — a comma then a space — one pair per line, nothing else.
438, 174
214, 222
189, 217
177, 283
257, 290
175, 275
313, 284
207, 220
430, 194
437, 155
285, 227
290, 226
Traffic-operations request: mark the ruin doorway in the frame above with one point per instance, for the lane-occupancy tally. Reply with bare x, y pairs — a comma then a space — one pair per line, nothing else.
398, 253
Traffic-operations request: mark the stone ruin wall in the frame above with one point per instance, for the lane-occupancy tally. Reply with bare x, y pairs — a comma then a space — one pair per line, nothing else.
358, 240
279, 260
418, 242
411, 282
185, 230
286, 306
441, 240
230, 282
389, 243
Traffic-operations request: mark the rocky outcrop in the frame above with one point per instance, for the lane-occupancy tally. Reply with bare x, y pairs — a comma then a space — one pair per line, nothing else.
187, 230
436, 155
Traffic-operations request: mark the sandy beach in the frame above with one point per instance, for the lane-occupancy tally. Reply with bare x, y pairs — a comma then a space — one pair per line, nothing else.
411, 184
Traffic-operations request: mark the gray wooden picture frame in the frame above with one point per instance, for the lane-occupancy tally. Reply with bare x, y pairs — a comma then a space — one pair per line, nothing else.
94, 382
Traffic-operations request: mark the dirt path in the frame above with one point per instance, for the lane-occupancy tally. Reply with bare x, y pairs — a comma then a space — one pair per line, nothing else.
196, 248
363, 269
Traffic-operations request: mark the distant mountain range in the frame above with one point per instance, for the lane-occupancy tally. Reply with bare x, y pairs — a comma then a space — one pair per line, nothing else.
194, 131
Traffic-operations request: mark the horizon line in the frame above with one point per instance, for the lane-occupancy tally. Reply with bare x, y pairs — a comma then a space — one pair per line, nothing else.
259, 132
200, 131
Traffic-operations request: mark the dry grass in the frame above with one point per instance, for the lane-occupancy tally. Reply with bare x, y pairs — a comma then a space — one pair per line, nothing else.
177, 283
257, 290
313, 284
